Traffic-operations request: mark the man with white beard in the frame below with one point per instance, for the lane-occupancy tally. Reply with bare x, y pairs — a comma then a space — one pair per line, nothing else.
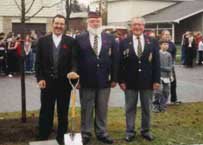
97, 66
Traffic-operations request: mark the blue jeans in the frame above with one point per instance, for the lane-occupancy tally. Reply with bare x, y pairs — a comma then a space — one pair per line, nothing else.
29, 62
161, 96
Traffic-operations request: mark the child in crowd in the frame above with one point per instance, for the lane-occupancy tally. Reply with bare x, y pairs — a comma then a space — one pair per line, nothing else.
161, 95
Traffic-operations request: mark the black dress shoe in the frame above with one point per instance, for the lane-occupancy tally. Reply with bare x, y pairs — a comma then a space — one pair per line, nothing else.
105, 139
85, 140
147, 136
129, 138
60, 141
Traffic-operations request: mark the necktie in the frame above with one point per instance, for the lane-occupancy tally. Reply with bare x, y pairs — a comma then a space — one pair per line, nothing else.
95, 45
139, 47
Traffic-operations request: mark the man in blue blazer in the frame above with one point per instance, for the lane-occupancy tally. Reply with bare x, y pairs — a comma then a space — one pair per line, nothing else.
139, 74
98, 69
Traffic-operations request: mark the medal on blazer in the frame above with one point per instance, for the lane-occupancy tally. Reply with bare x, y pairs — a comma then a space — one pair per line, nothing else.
109, 77
126, 52
110, 51
150, 57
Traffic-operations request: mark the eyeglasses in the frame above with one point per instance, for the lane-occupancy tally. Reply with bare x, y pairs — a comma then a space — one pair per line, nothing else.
138, 24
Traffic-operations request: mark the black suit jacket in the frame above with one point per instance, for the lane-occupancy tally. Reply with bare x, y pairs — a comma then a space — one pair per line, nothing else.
44, 58
139, 73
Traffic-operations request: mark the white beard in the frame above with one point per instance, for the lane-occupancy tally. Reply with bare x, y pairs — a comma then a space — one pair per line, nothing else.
93, 31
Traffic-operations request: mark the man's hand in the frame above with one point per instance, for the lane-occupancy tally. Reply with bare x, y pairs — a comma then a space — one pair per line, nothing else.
42, 84
72, 75
113, 84
156, 86
123, 86
78, 86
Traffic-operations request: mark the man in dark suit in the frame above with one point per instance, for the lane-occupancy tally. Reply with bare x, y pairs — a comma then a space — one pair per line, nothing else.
139, 74
97, 61
55, 59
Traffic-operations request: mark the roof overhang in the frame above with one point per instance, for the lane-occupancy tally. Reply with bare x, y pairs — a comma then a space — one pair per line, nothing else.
187, 16
175, 20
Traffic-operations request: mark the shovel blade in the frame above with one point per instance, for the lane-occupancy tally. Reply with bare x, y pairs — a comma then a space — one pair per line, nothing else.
73, 139
48, 142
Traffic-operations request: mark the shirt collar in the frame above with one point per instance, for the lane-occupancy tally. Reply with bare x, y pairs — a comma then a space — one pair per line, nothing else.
93, 35
163, 51
54, 36
141, 37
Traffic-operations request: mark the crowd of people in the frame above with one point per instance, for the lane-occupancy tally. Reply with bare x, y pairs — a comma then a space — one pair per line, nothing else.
192, 48
11, 44
11, 52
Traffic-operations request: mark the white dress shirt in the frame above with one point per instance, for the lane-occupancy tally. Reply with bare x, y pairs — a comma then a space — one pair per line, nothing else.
135, 43
56, 39
200, 47
91, 36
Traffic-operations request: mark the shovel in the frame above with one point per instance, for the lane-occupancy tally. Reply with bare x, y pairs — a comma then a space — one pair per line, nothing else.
73, 138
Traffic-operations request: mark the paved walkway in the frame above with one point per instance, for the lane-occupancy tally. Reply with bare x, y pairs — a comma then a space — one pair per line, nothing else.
189, 89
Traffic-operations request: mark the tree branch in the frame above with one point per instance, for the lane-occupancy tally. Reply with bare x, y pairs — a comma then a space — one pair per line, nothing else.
27, 11
40, 9
18, 6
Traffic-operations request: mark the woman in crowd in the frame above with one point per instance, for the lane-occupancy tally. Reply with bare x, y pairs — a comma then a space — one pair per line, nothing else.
200, 52
28, 53
11, 55
2, 53
34, 39
190, 49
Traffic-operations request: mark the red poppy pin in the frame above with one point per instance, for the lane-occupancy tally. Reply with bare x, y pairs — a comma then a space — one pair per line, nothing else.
148, 41
65, 46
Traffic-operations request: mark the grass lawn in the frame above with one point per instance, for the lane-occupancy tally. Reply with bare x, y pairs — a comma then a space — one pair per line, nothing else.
180, 125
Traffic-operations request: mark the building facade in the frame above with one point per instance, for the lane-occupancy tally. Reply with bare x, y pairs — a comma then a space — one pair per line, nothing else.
10, 15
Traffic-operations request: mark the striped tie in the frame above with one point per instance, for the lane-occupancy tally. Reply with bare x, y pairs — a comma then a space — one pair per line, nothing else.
139, 47
95, 45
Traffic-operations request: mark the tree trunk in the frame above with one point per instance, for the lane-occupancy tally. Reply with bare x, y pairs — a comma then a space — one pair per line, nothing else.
23, 96
103, 8
68, 12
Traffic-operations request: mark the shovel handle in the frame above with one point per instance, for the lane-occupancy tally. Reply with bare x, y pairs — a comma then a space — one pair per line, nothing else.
73, 100
72, 85
73, 97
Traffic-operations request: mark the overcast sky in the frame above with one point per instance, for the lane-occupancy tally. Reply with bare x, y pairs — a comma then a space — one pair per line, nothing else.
85, 1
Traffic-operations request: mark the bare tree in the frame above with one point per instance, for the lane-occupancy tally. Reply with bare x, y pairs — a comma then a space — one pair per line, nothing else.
68, 8
23, 94
103, 8
76, 7
24, 9
71, 6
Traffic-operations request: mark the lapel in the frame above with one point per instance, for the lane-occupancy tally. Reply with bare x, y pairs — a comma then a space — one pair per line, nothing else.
103, 43
131, 46
61, 51
50, 48
146, 46
87, 37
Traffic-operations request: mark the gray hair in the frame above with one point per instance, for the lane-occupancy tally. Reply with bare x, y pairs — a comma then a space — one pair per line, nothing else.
164, 31
138, 18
